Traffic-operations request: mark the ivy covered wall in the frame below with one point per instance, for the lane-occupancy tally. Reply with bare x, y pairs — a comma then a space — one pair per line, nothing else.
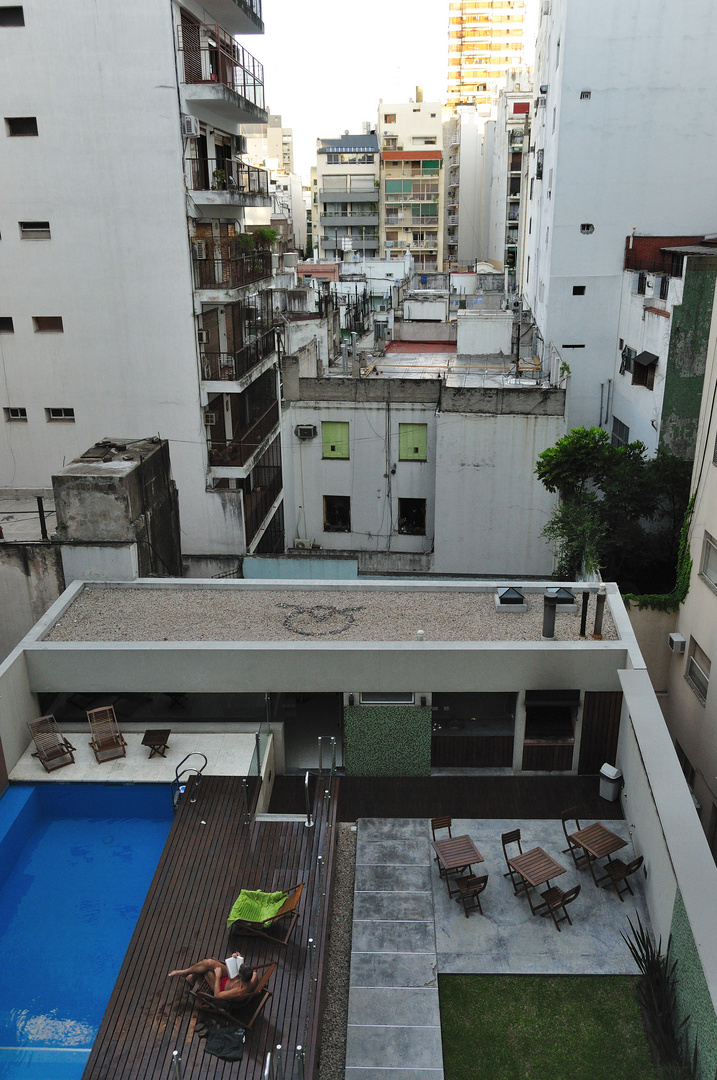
693, 995
387, 740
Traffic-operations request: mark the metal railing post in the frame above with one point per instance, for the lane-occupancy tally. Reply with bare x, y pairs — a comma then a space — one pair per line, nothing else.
177, 1065
299, 1063
309, 822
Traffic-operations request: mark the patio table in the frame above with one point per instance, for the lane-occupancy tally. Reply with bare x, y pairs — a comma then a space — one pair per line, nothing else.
455, 854
598, 841
536, 867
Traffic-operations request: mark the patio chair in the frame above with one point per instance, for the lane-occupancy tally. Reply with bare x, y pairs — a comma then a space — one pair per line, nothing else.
107, 740
262, 927
508, 838
619, 872
556, 900
441, 823
469, 890
579, 855
245, 1010
53, 750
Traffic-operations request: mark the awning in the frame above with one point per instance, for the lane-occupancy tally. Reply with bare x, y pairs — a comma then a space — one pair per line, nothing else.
647, 359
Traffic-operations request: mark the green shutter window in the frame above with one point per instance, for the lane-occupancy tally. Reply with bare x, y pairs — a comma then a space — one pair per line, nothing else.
430, 166
412, 441
407, 187
393, 186
335, 437
429, 210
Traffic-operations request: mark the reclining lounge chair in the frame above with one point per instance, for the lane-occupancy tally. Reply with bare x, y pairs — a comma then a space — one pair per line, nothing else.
247, 916
53, 750
107, 740
243, 1011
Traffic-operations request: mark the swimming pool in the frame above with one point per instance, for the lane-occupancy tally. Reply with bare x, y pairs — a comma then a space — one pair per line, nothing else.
76, 861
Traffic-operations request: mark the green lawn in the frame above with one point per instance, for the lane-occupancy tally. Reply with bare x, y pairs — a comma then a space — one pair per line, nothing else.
535, 1027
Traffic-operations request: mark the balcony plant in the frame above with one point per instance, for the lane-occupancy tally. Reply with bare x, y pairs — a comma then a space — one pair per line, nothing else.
220, 179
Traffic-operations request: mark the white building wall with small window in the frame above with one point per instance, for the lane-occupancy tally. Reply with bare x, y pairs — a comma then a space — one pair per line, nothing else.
691, 706
611, 137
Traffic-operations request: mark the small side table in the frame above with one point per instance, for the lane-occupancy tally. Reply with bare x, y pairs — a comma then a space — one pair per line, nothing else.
157, 739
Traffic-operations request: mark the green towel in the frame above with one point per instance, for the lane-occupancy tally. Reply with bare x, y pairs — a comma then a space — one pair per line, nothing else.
255, 906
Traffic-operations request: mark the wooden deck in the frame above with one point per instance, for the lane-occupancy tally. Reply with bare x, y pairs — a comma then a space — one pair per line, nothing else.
211, 853
512, 797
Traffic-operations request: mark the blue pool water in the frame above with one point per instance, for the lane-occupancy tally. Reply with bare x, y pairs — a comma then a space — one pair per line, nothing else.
76, 861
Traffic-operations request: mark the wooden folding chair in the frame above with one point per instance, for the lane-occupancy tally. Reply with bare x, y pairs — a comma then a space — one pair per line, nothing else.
555, 900
262, 928
243, 1011
53, 750
506, 839
619, 872
469, 890
579, 855
107, 740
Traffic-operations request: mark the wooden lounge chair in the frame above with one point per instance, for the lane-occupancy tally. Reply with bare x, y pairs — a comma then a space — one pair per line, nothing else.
555, 899
53, 750
506, 839
469, 890
619, 872
580, 856
262, 928
244, 1011
107, 740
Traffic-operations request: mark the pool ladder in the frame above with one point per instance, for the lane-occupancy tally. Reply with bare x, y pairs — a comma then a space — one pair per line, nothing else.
181, 776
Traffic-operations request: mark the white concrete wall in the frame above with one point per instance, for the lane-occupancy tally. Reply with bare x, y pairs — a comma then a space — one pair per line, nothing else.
106, 171
490, 509
18, 706
415, 121
431, 310
629, 157
474, 180
480, 334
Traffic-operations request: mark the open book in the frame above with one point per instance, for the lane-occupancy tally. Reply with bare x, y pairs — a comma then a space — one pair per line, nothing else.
233, 964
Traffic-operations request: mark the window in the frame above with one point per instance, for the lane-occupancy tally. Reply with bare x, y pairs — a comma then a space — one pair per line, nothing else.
578, 290
16, 415
555, 112
21, 125
664, 286
48, 324
708, 569
628, 356
641, 284
620, 433
412, 517
643, 370
527, 279
335, 439
337, 513
585, 95
34, 230
6, 325
586, 228
389, 118
572, 346
686, 765
520, 107
12, 16
698, 670
539, 165
60, 414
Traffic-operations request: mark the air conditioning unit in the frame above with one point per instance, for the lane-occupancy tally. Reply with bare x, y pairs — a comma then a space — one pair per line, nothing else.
240, 144
203, 337
199, 247
305, 431
303, 545
676, 643
210, 418
190, 127
540, 102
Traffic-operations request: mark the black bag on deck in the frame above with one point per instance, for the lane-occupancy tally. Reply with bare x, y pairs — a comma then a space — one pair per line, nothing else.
226, 1043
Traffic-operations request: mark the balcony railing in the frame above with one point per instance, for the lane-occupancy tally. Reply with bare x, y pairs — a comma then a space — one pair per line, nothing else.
223, 174
236, 452
231, 366
219, 264
258, 503
211, 55
411, 220
452, 219
367, 212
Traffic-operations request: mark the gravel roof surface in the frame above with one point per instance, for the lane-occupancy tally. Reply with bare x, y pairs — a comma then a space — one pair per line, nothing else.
146, 614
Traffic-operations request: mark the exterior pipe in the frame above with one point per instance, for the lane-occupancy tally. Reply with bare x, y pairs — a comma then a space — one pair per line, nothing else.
550, 603
599, 609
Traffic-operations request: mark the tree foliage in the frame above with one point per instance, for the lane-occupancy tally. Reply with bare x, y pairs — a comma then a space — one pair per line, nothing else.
619, 510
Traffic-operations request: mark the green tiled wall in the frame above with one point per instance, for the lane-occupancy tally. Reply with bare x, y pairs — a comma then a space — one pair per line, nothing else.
692, 993
387, 740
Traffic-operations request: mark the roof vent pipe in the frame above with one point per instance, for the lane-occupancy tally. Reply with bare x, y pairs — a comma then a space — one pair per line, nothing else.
599, 609
550, 603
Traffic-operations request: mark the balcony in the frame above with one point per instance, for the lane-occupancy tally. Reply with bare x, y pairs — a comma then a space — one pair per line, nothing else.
259, 501
223, 83
231, 367
343, 195
224, 182
219, 265
410, 221
239, 16
370, 240
357, 218
235, 453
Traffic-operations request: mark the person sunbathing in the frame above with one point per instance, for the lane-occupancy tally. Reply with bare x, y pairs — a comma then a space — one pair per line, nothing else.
216, 974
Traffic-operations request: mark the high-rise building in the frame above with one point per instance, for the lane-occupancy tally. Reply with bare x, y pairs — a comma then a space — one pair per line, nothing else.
485, 41
346, 217
133, 302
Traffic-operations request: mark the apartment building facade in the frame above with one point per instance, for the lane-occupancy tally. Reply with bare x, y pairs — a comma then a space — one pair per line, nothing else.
412, 189
345, 216
611, 153
485, 40
508, 136
154, 326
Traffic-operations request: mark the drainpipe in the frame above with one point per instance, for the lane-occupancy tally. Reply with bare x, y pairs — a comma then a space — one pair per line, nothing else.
550, 604
599, 609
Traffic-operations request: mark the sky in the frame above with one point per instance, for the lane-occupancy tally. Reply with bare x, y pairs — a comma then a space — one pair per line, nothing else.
327, 63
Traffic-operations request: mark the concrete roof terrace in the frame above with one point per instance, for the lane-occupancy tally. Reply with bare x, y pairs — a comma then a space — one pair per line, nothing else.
330, 612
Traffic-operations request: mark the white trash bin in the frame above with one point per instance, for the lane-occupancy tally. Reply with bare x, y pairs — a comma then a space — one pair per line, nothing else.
610, 782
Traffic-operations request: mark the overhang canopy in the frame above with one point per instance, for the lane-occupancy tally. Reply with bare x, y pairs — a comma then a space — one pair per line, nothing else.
647, 359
